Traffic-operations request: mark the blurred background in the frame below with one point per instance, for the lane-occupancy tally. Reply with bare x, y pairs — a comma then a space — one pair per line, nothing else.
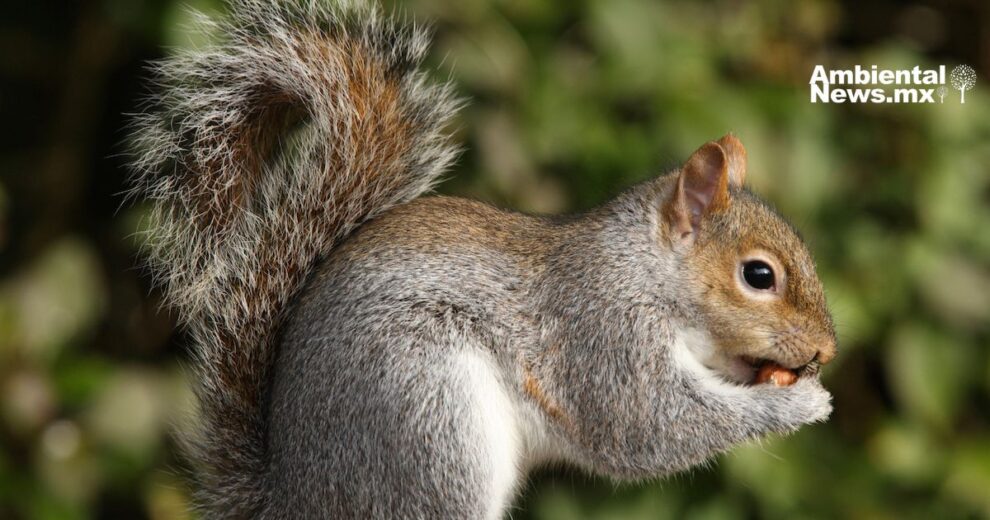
570, 102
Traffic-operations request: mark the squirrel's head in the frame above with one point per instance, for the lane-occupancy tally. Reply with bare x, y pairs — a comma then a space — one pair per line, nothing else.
752, 279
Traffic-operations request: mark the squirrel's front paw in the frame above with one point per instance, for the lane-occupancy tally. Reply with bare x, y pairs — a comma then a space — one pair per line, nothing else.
788, 408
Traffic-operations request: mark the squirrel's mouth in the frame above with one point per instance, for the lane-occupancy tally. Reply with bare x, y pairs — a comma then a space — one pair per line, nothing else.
755, 371
698, 352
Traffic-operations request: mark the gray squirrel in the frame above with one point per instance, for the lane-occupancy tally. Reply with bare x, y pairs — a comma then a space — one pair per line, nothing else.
364, 353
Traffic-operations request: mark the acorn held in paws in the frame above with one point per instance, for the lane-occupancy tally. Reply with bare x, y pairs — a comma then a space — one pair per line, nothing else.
779, 375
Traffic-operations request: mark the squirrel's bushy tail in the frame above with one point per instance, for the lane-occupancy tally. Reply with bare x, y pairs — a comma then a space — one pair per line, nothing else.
259, 154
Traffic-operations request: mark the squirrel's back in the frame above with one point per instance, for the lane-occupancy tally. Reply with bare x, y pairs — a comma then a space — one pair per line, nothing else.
260, 154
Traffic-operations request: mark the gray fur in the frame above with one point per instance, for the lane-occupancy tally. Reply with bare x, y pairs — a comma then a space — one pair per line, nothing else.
353, 400
367, 419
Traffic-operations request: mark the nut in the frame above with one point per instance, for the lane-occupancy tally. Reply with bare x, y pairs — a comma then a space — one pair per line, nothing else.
777, 374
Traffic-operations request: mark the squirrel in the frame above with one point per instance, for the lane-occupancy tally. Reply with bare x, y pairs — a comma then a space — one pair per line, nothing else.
364, 352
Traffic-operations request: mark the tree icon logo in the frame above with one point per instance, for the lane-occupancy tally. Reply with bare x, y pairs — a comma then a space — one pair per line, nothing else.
963, 78
941, 91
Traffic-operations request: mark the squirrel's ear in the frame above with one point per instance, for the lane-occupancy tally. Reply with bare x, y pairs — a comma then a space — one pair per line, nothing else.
735, 152
702, 187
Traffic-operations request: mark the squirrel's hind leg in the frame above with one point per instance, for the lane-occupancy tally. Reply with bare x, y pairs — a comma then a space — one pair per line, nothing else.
377, 426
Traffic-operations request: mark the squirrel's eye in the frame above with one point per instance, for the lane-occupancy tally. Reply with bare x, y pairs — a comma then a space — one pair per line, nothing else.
758, 275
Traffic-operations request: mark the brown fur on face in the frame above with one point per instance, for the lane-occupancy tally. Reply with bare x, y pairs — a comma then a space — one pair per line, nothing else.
790, 325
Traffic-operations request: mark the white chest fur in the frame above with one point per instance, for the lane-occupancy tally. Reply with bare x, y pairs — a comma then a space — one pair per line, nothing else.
695, 352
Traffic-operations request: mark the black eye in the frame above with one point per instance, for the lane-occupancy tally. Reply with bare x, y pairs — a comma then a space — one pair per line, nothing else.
758, 275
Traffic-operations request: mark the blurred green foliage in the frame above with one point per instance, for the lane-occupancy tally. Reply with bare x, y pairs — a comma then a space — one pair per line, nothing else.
569, 103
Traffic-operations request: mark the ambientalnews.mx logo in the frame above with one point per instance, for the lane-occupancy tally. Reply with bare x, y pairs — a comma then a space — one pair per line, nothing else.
873, 85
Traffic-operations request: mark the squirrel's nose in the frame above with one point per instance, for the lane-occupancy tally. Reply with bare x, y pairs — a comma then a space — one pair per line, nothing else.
827, 352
